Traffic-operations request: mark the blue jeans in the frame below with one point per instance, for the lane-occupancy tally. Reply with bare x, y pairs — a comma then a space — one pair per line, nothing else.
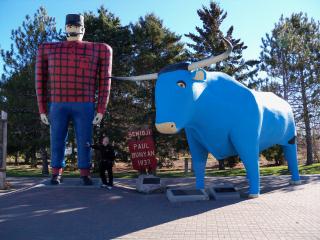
81, 114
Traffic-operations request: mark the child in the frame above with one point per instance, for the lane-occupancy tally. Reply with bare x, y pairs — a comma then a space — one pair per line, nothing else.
106, 162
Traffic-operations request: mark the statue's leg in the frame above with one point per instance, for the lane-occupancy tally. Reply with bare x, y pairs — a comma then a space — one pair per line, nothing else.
199, 159
251, 164
290, 154
59, 119
248, 150
82, 116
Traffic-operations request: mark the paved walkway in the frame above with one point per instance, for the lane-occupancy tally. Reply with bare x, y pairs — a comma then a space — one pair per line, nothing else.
36, 210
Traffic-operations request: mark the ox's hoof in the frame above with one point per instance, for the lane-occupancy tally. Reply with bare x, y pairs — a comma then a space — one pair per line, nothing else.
253, 196
295, 182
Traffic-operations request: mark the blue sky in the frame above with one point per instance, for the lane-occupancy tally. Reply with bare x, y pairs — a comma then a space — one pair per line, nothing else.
251, 19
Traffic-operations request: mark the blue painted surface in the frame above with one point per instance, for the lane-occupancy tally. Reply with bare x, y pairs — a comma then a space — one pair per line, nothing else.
81, 114
225, 118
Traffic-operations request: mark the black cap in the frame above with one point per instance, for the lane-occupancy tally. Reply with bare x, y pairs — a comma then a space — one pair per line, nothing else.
75, 19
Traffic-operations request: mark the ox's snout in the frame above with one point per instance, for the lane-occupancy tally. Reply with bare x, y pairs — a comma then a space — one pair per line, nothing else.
167, 127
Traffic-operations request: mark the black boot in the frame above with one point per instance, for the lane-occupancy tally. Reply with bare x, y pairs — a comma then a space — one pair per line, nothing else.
86, 180
56, 179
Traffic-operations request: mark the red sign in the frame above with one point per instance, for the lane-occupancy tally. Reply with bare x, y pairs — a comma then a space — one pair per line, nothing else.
142, 150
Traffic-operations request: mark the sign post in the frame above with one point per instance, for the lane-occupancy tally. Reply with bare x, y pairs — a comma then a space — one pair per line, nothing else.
142, 151
3, 148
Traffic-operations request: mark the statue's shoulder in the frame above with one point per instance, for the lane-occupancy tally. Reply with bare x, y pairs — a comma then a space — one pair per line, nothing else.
99, 46
105, 46
50, 45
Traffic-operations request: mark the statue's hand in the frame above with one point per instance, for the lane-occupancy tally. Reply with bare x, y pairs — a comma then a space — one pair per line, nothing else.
44, 118
97, 119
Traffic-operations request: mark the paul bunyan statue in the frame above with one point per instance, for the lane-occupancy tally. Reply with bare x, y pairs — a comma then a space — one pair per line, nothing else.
67, 74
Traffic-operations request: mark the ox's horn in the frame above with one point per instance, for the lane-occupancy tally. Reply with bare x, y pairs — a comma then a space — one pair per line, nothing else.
138, 78
211, 60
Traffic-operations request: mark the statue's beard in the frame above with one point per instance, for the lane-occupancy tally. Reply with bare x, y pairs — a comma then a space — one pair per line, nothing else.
73, 34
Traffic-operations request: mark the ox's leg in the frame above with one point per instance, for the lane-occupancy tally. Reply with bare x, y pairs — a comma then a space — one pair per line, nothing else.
248, 151
290, 154
199, 159
251, 164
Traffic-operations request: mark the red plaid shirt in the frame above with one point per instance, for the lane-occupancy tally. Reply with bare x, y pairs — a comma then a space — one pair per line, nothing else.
72, 71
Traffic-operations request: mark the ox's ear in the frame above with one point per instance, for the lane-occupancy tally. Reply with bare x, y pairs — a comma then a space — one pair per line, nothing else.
199, 75
199, 84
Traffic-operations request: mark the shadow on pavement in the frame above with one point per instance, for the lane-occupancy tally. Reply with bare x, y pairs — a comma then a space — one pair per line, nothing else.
89, 213
92, 213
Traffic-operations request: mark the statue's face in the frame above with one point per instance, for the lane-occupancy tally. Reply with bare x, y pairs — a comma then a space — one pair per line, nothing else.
75, 33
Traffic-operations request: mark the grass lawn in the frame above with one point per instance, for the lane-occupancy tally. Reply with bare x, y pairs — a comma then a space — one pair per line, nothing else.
26, 171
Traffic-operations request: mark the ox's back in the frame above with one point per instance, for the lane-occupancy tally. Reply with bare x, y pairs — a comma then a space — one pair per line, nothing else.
224, 106
226, 102
227, 105
278, 125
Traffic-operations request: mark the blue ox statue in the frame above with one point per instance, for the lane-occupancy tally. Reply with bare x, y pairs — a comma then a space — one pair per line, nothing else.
223, 117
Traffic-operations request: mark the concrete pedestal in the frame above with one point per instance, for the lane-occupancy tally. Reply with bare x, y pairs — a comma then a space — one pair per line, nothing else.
186, 195
223, 192
149, 184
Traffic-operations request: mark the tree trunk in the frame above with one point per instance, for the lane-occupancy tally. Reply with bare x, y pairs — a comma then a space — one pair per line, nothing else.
280, 156
186, 166
306, 119
33, 159
309, 142
152, 114
221, 164
281, 161
73, 155
27, 159
192, 170
16, 159
44, 157
284, 77
314, 145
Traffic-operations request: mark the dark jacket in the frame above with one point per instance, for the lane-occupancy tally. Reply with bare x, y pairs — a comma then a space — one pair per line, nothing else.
107, 152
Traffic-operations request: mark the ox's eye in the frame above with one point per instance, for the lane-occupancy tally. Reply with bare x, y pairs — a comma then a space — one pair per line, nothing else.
181, 84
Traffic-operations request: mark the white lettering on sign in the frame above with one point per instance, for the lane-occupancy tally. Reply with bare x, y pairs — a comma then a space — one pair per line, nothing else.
138, 154
150, 153
140, 146
142, 154
144, 162
140, 133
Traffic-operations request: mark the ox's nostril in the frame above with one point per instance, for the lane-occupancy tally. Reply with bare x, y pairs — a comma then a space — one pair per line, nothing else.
172, 125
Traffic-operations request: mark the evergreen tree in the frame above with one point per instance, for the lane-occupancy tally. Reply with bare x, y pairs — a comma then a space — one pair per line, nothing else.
25, 133
291, 57
208, 41
154, 47
121, 110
